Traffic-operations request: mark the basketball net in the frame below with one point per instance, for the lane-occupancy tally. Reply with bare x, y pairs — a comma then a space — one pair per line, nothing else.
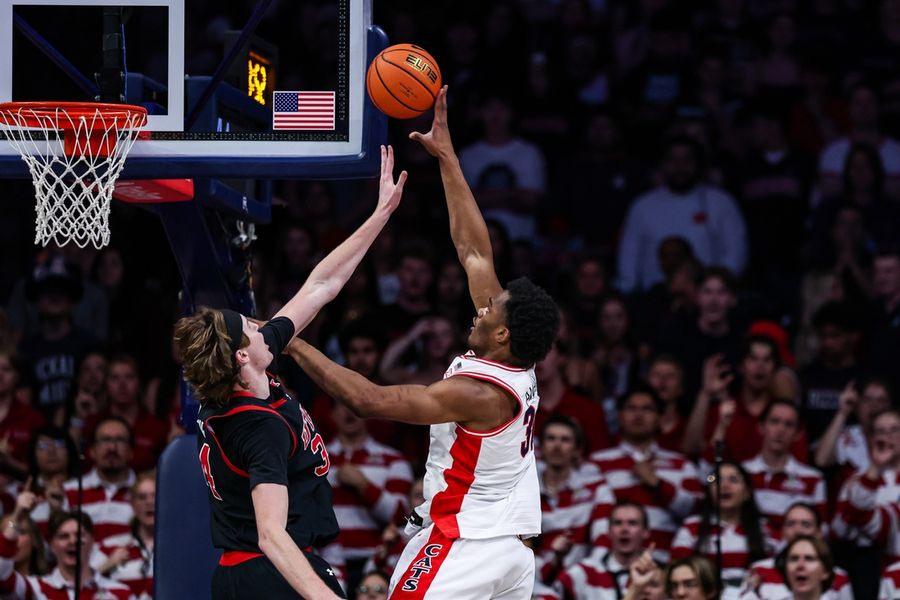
74, 152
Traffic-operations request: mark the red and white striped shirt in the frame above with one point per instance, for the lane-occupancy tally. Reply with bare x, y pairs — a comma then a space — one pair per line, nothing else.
53, 586
735, 551
107, 504
581, 508
868, 513
676, 496
543, 592
890, 583
594, 579
772, 587
776, 491
362, 517
137, 571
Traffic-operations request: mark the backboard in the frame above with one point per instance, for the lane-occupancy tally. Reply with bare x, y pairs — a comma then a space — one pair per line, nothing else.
256, 89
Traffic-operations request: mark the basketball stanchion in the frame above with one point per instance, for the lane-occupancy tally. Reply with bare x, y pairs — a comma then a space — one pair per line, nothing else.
75, 152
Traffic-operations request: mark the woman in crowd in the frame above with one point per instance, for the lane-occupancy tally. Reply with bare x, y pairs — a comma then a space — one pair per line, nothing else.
808, 569
129, 557
742, 529
63, 536
30, 557
52, 459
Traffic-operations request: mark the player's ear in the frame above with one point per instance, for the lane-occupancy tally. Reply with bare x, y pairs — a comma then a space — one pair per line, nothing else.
501, 335
241, 357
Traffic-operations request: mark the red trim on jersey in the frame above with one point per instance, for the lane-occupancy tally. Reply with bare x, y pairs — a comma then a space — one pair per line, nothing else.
459, 477
241, 394
232, 558
241, 409
501, 384
494, 364
228, 463
418, 577
278, 403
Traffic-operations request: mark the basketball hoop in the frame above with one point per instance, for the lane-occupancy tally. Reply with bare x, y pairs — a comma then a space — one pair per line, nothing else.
75, 171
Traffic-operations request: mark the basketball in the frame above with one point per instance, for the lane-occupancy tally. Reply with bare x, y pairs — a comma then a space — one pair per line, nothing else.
403, 81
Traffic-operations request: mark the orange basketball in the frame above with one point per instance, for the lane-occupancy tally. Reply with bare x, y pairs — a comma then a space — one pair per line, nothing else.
403, 81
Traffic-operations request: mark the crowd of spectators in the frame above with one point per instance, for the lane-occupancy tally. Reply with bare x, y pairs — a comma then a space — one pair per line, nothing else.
711, 194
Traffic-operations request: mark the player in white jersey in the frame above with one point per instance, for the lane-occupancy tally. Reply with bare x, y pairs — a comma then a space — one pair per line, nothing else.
481, 487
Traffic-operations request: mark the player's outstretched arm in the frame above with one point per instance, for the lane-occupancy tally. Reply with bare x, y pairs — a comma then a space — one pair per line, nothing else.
329, 276
270, 503
467, 227
475, 404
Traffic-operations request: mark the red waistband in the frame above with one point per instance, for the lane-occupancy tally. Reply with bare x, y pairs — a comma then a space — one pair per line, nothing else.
231, 558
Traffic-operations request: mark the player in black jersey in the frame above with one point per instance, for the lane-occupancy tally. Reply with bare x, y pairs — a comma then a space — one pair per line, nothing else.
263, 460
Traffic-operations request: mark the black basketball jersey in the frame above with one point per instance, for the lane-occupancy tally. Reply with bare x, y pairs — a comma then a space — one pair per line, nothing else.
265, 440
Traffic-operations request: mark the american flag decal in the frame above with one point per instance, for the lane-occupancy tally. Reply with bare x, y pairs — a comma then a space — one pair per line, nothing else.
303, 110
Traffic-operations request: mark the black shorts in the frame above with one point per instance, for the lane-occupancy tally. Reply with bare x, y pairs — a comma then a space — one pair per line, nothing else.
258, 578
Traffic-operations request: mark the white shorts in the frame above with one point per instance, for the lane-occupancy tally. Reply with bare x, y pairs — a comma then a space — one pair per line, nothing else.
434, 567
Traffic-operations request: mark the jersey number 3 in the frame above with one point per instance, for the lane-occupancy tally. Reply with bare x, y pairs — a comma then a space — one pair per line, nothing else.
207, 471
318, 447
528, 421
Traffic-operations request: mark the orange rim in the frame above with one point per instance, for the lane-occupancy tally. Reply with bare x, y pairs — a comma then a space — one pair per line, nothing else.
34, 114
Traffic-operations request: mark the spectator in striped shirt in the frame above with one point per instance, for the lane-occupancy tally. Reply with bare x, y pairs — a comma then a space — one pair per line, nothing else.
808, 568
767, 581
370, 484
866, 516
779, 479
848, 445
59, 583
662, 481
606, 576
105, 497
890, 583
575, 500
742, 530
129, 556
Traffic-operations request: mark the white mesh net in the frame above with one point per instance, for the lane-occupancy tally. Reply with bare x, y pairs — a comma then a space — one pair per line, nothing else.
74, 172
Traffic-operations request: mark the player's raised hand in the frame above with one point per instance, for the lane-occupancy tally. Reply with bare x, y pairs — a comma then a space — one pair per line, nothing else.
437, 141
389, 191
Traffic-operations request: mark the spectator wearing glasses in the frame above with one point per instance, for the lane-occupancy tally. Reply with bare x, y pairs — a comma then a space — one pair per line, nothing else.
52, 457
374, 586
105, 497
123, 390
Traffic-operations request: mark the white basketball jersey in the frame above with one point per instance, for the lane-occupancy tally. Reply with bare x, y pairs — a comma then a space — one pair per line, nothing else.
483, 484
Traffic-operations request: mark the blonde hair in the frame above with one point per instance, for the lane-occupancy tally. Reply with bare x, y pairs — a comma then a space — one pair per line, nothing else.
202, 346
